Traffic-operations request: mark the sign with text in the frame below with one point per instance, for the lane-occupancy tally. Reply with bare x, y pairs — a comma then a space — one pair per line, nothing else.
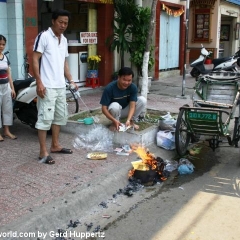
88, 37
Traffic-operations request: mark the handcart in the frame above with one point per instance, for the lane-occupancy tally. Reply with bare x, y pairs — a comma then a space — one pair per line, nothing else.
215, 106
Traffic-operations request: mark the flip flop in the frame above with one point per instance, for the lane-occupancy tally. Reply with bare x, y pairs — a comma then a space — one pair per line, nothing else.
13, 137
47, 159
63, 151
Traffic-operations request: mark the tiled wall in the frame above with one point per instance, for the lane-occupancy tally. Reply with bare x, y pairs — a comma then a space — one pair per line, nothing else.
3, 20
11, 27
15, 36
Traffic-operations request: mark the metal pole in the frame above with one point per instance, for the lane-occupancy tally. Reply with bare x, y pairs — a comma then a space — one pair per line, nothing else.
186, 47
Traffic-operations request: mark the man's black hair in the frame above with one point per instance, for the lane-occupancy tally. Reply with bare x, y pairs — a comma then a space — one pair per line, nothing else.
60, 12
125, 71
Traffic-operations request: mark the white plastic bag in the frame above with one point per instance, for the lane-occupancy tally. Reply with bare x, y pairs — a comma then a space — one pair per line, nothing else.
98, 138
170, 165
167, 122
166, 140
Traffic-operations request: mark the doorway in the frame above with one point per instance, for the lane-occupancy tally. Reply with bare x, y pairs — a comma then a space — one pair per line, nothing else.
169, 42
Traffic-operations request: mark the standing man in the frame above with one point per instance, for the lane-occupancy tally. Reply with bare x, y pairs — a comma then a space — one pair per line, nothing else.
120, 100
50, 69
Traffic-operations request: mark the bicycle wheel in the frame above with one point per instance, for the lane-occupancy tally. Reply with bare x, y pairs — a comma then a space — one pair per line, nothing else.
236, 132
182, 137
72, 101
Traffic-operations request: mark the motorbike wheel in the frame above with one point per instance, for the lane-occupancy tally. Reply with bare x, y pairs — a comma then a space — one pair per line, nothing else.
195, 73
238, 62
26, 113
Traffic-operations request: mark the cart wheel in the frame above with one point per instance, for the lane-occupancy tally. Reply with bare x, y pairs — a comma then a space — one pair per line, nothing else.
194, 72
182, 137
236, 132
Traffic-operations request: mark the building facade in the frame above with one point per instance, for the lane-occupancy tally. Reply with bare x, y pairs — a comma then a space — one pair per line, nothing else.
213, 23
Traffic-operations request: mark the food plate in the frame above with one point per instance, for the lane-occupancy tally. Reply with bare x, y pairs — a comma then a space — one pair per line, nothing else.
97, 155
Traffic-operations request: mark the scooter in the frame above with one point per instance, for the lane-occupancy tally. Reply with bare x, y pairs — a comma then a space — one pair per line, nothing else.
219, 64
25, 103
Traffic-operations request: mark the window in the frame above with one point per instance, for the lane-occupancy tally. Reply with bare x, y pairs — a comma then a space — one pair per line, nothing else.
201, 25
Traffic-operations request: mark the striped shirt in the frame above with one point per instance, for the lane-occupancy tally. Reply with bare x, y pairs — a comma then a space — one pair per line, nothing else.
4, 65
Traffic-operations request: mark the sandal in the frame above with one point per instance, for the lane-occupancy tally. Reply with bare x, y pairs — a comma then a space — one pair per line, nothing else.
63, 150
47, 159
12, 137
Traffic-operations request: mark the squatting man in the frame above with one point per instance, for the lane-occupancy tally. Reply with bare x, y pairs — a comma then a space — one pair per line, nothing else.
119, 100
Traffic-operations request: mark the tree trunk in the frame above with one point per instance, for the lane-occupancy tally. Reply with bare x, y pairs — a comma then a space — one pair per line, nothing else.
144, 89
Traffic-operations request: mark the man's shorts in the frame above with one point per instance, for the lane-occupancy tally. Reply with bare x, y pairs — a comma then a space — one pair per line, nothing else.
52, 109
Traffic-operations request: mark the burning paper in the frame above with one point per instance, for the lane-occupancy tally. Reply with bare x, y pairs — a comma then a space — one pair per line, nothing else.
149, 168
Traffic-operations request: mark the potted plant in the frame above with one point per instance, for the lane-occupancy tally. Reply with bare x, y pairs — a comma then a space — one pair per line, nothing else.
93, 62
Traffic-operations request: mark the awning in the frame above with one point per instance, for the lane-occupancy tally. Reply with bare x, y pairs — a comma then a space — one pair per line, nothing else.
237, 2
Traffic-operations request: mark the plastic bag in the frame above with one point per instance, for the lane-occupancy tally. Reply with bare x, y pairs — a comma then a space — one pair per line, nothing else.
185, 166
167, 122
166, 140
97, 139
170, 165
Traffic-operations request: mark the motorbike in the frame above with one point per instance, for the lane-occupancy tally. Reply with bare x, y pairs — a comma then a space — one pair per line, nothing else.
25, 103
219, 64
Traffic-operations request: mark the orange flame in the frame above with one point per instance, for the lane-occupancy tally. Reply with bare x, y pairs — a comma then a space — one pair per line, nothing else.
147, 157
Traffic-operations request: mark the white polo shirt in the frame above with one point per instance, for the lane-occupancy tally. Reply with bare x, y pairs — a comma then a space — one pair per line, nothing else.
53, 58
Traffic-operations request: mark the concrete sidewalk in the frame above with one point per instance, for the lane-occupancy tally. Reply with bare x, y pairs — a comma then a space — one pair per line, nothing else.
42, 197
